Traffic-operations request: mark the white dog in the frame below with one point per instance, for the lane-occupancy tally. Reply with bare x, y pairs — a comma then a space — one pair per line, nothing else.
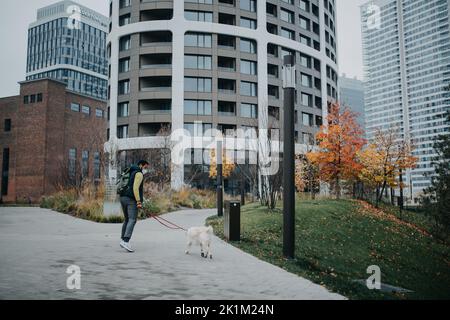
200, 236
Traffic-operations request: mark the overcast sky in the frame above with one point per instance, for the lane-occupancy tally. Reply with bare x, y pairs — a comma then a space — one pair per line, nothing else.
15, 16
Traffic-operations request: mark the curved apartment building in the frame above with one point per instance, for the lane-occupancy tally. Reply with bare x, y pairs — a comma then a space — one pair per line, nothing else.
174, 63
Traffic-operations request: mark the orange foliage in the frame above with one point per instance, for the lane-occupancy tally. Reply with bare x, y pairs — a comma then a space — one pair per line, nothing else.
339, 142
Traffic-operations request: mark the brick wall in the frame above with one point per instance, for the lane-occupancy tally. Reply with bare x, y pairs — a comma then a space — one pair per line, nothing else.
43, 132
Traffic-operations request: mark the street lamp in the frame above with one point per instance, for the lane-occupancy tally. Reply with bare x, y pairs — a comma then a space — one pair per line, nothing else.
289, 157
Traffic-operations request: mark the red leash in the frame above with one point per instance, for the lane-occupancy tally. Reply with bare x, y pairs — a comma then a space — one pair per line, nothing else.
167, 224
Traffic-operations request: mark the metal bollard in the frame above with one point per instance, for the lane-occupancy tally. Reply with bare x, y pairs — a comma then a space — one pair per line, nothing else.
232, 221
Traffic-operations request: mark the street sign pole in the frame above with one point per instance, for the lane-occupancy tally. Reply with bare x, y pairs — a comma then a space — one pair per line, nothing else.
289, 158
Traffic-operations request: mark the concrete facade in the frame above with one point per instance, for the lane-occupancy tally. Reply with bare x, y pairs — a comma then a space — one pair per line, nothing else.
44, 127
142, 28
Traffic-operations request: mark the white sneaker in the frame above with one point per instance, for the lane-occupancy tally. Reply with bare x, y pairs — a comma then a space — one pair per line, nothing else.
126, 246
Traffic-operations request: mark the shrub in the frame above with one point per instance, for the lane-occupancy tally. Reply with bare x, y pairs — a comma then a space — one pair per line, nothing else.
87, 203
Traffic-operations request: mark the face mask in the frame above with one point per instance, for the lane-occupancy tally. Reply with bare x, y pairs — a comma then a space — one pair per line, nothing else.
145, 171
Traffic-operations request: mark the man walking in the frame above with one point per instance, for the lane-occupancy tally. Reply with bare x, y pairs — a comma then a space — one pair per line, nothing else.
131, 201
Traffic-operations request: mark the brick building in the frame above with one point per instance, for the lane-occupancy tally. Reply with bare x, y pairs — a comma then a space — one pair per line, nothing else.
49, 136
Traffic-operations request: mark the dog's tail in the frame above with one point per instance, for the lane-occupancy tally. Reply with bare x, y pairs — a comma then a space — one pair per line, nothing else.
210, 230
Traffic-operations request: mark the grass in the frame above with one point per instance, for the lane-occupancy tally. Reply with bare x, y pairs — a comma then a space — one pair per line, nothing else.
337, 241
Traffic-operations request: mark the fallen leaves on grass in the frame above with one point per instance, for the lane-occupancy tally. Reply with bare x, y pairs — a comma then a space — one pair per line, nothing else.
367, 209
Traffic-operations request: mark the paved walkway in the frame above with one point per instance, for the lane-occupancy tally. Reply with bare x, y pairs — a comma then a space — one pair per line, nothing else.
37, 246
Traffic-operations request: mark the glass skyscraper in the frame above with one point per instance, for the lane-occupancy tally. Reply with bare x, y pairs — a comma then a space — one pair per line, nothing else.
68, 43
351, 94
407, 69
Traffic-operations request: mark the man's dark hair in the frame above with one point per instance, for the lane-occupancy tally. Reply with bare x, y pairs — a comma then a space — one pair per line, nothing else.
143, 163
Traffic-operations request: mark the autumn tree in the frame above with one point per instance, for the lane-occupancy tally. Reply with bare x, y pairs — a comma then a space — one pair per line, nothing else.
385, 160
228, 165
306, 176
339, 142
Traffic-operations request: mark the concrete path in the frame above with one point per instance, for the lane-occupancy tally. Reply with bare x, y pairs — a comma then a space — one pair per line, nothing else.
37, 246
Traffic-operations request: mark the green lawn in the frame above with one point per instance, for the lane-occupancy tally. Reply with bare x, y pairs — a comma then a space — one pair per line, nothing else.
337, 240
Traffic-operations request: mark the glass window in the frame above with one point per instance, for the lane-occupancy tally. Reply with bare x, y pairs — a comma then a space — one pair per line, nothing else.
85, 164
197, 62
75, 107
307, 119
99, 113
287, 16
198, 107
72, 162
305, 23
125, 43
123, 109
202, 40
305, 61
248, 23
124, 20
248, 67
197, 84
200, 1
248, 45
124, 65
249, 110
288, 33
198, 16
124, 87
96, 165
304, 5
248, 89
306, 80
122, 132
86, 110
7, 127
249, 5
306, 100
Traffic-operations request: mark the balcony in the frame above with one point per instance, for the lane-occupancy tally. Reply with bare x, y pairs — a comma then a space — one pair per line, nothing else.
227, 108
226, 64
229, 19
155, 84
226, 42
273, 70
273, 92
226, 86
153, 129
156, 14
156, 38
156, 106
271, 10
159, 60
227, 130
230, 3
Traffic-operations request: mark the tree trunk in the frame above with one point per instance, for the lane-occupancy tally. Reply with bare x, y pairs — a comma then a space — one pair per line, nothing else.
338, 189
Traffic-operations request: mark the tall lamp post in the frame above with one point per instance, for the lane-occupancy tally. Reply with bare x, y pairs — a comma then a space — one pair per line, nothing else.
289, 158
